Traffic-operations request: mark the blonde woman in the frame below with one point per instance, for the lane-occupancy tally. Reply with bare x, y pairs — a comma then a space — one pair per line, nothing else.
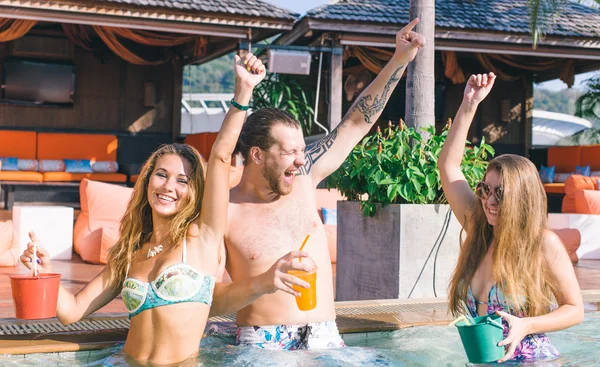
165, 262
509, 263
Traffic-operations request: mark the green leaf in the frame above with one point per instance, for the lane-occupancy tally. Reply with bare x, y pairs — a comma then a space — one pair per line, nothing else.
430, 194
406, 169
430, 180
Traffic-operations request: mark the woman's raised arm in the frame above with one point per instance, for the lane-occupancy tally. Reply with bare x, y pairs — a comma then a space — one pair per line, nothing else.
249, 71
457, 190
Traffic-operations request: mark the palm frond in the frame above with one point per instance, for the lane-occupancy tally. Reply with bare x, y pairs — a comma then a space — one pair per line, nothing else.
588, 104
542, 14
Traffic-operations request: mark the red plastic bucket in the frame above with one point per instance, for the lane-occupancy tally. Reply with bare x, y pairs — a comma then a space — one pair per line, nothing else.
35, 297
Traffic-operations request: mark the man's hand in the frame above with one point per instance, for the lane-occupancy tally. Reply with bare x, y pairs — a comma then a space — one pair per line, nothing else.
408, 43
249, 71
277, 278
478, 87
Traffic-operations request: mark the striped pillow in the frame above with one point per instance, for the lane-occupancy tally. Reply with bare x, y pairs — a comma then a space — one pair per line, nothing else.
51, 165
105, 166
27, 165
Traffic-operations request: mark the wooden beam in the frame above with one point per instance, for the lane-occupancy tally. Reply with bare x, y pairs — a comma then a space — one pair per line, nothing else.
517, 49
225, 46
214, 52
582, 66
123, 70
177, 92
526, 118
176, 21
376, 32
482, 46
335, 87
298, 31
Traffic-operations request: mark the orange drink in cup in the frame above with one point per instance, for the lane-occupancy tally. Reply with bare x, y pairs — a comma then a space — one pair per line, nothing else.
307, 300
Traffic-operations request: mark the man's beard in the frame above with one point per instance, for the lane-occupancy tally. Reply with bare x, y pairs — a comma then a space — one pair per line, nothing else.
273, 178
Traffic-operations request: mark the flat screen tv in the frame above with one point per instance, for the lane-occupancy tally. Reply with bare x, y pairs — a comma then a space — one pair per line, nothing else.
38, 82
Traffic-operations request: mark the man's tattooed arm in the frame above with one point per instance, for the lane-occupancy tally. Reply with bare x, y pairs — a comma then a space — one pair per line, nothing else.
314, 151
367, 108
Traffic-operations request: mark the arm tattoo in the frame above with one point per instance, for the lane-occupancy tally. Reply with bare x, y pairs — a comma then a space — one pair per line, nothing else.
315, 151
369, 107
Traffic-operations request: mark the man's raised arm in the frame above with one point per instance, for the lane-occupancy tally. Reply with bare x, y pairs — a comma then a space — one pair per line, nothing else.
323, 157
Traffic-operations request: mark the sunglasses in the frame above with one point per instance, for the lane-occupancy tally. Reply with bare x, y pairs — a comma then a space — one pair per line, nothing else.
483, 191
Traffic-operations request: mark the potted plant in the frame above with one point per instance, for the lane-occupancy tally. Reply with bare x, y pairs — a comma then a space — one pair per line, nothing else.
396, 235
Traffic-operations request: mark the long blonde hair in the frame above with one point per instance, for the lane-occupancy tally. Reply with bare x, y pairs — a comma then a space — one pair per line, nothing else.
519, 267
136, 225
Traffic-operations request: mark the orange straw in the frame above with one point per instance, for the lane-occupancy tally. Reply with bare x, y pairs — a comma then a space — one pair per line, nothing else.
304, 244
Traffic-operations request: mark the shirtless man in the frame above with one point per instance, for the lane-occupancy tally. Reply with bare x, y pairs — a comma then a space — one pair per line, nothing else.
274, 207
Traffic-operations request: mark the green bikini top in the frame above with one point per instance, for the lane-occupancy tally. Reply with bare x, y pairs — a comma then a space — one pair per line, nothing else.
176, 284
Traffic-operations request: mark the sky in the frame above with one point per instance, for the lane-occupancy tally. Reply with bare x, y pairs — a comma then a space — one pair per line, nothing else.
558, 85
298, 6
302, 6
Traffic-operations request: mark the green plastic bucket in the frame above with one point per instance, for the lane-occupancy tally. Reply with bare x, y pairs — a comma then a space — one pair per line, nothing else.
481, 339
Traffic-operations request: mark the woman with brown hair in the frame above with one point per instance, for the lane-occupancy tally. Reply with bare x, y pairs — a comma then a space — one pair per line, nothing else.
509, 263
166, 260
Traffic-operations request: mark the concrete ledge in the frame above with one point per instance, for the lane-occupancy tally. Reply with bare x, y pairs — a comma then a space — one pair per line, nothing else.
352, 317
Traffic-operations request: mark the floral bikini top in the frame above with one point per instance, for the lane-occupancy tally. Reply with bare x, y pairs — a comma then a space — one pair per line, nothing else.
176, 284
533, 347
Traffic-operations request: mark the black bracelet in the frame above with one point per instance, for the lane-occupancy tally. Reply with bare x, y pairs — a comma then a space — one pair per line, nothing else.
239, 106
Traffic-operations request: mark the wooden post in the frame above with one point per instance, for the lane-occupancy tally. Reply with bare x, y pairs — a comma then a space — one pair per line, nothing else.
123, 70
335, 87
526, 122
177, 95
420, 80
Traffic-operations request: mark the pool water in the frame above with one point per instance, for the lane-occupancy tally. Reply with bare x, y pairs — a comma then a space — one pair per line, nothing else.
418, 346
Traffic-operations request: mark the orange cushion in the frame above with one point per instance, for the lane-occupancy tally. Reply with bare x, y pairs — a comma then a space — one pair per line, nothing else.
9, 249
565, 159
97, 227
87, 244
66, 176
21, 176
328, 199
590, 156
568, 204
104, 202
587, 202
94, 247
110, 236
203, 142
77, 146
554, 188
331, 232
20, 144
133, 178
578, 182
571, 239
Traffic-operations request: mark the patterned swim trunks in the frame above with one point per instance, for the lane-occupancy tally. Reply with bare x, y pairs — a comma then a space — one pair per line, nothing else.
316, 335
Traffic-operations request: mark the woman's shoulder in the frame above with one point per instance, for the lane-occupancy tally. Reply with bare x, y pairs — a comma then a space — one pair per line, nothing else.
551, 243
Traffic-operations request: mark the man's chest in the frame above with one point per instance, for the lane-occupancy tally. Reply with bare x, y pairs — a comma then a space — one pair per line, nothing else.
267, 230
